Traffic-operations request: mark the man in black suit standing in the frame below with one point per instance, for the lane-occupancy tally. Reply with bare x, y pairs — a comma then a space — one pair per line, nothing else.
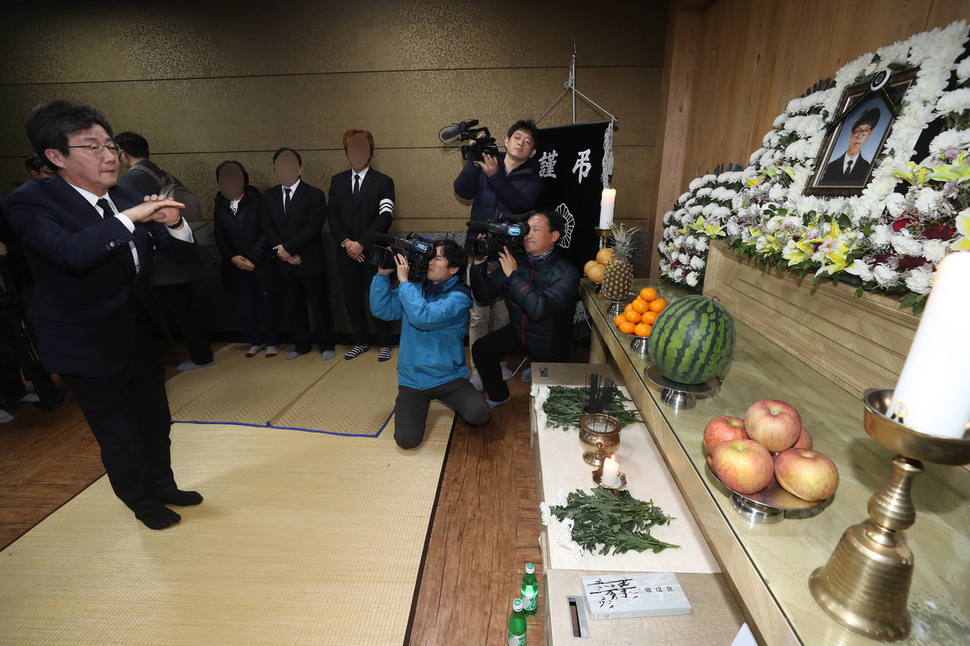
89, 244
852, 169
361, 206
293, 217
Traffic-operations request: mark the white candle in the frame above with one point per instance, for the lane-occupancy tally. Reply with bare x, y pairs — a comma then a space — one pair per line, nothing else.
606, 207
933, 392
611, 473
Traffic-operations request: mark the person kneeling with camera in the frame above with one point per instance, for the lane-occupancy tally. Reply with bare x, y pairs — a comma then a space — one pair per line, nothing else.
431, 360
540, 291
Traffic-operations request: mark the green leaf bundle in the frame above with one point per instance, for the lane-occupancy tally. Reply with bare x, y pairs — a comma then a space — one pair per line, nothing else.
617, 521
565, 406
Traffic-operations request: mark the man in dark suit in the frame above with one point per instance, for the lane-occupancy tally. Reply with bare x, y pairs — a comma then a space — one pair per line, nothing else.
852, 169
171, 280
293, 217
90, 244
361, 206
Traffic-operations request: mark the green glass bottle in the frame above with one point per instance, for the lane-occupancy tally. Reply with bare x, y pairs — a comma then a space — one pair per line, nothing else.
530, 591
517, 624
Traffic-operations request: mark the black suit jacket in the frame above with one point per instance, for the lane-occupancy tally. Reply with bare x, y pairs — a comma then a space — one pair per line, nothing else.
360, 217
88, 293
834, 175
300, 230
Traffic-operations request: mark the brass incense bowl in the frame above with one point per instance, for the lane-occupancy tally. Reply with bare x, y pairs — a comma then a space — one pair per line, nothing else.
599, 434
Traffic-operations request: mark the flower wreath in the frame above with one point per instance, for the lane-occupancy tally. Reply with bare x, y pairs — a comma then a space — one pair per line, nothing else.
893, 235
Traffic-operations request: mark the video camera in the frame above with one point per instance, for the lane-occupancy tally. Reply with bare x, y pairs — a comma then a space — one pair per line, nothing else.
417, 249
465, 131
501, 231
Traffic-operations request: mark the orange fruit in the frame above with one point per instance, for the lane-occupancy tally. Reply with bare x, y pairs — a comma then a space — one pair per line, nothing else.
619, 319
648, 294
658, 305
605, 255
627, 327
650, 317
643, 329
595, 273
633, 316
640, 305
587, 266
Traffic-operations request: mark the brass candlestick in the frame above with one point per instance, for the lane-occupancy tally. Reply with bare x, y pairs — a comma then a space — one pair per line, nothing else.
865, 584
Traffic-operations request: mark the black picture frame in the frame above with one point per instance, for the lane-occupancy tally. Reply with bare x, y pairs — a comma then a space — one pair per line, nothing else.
858, 102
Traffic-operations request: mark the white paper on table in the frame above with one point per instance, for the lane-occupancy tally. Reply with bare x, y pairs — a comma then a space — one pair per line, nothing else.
744, 638
648, 478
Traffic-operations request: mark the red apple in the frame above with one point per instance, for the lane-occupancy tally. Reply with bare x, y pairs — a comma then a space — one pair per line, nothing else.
773, 424
804, 441
742, 465
723, 428
810, 475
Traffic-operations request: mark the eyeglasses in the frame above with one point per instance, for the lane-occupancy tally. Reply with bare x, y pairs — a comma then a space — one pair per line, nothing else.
861, 132
98, 149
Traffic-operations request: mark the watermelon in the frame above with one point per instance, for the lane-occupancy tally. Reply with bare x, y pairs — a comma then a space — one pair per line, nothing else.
692, 340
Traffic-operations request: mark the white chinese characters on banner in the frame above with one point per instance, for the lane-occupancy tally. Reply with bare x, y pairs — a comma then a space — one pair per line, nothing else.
582, 166
547, 164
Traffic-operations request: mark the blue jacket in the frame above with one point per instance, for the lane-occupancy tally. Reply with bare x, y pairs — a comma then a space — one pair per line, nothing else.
434, 320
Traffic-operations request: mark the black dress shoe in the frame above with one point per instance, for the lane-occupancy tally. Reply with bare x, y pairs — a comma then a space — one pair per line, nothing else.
179, 498
158, 517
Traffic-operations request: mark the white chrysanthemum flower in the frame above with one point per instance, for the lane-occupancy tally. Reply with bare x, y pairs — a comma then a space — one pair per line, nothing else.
683, 258
695, 184
949, 141
696, 210
906, 246
885, 276
927, 200
963, 69
677, 274
697, 262
733, 228
935, 250
545, 513
691, 279
860, 269
701, 245
777, 193
678, 241
919, 281
895, 204
954, 101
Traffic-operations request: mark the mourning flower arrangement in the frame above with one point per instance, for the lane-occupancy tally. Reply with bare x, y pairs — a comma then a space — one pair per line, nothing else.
892, 235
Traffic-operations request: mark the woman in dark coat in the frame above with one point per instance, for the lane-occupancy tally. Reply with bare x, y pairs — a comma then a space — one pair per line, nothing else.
247, 266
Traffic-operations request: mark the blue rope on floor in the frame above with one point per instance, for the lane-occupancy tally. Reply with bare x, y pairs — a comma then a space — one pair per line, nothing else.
292, 428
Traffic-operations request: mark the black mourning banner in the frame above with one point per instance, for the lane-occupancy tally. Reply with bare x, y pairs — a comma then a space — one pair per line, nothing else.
571, 166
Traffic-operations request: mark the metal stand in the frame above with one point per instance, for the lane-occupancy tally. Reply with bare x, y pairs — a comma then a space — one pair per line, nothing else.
681, 396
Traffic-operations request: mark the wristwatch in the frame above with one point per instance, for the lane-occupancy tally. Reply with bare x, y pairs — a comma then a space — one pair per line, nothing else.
177, 224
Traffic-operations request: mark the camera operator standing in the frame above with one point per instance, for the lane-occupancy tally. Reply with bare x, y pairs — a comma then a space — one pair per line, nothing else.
431, 364
541, 291
508, 183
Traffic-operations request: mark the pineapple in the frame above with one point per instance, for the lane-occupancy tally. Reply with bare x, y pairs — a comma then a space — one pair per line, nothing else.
618, 277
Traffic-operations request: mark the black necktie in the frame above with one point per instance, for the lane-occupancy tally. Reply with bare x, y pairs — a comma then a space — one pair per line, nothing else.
286, 199
105, 207
848, 167
356, 184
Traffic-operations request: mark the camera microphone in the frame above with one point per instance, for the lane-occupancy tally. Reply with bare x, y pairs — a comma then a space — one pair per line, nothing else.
383, 240
456, 129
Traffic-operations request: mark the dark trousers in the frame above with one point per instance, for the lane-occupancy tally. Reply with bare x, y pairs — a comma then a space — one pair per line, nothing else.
411, 409
129, 416
297, 292
251, 301
177, 301
488, 353
12, 386
356, 278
